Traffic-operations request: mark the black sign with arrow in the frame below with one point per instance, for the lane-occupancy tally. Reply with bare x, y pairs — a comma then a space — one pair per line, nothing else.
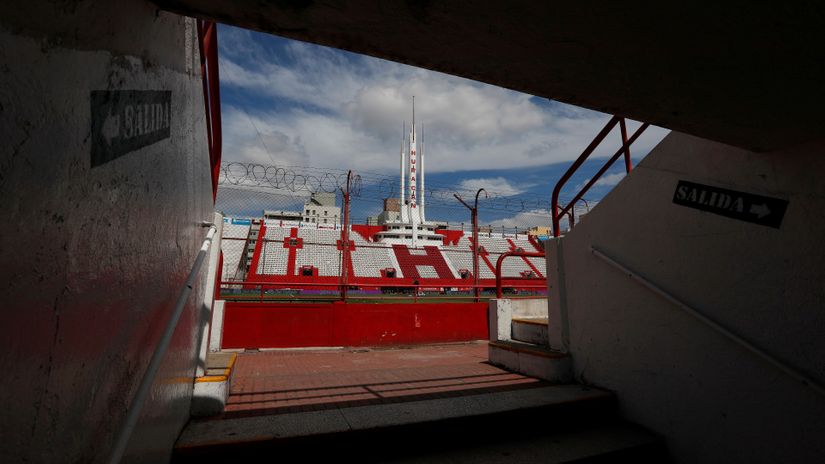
125, 120
748, 207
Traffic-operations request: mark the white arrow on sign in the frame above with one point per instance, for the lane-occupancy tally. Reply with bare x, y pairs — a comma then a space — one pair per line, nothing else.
760, 210
111, 128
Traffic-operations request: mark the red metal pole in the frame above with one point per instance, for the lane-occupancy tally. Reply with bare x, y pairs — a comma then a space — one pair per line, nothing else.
476, 291
627, 163
601, 172
345, 244
474, 216
499, 290
556, 216
218, 277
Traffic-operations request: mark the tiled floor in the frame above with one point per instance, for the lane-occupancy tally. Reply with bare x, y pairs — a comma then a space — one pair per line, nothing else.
274, 382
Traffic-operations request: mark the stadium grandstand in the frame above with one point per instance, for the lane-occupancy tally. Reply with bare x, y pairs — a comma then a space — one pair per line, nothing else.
401, 252
288, 253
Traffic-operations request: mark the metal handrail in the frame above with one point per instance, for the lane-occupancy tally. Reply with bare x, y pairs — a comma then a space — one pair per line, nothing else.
524, 254
801, 377
556, 215
133, 412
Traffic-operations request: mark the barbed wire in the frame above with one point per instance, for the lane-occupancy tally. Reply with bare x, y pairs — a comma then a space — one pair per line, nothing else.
259, 175
288, 179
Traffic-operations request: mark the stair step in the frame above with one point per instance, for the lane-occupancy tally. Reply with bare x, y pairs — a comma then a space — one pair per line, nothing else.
558, 424
604, 443
530, 359
530, 330
212, 389
414, 423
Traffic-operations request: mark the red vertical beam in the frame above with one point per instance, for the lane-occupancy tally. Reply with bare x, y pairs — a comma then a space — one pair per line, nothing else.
208, 46
219, 276
345, 244
476, 291
628, 165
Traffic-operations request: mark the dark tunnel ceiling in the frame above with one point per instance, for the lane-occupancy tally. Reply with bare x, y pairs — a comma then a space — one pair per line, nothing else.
740, 73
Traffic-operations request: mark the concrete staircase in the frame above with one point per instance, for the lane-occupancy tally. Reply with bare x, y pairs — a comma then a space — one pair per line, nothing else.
549, 423
520, 343
530, 330
555, 421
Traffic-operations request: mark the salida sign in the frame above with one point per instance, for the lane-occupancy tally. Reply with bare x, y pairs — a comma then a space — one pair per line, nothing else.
125, 120
743, 206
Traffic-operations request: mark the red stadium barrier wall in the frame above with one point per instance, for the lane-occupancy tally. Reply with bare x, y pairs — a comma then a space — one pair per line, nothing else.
293, 325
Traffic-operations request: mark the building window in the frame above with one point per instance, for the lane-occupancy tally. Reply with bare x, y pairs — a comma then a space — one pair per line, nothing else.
325, 220
325, 213
307, 212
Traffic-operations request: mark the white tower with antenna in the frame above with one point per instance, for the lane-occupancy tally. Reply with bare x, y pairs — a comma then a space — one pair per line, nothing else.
412, 227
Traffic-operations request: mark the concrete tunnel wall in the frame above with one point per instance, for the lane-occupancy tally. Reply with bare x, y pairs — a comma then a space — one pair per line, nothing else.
713, 400
94, 257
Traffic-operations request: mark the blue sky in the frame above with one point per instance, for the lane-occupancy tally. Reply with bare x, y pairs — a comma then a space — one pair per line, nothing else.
289, 103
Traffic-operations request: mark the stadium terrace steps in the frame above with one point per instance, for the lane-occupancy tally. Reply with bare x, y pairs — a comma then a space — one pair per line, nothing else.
274, 259
462, 259
319, 248
326, 257
539, 264
368, 260
431, 257
234, 248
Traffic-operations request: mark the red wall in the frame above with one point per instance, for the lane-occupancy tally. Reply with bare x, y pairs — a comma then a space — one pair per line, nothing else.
288, 325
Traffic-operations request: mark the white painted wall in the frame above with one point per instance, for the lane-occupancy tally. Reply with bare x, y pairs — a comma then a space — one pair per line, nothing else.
92, 259
501, 312
713, 400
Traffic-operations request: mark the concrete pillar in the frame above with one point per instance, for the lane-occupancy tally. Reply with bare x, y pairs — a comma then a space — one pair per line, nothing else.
558, 326
501, 318
216, 336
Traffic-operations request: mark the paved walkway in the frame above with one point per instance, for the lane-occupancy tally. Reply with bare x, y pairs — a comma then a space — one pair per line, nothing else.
288, 381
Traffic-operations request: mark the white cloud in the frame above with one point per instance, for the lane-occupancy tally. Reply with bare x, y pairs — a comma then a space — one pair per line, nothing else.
493, 185
541, 217
524, 220
608, 180
338, 110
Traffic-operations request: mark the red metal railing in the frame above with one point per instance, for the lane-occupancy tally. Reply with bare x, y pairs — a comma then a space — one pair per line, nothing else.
557, 213
261, 287
525, 254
